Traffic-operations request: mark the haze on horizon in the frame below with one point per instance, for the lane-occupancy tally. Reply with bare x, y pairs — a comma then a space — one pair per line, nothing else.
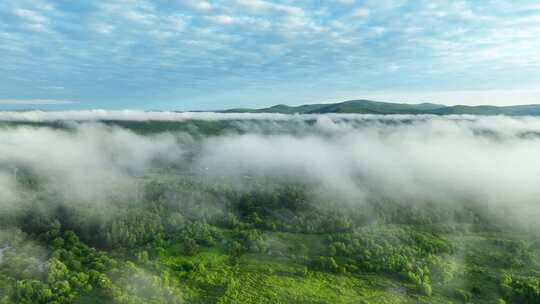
201, 55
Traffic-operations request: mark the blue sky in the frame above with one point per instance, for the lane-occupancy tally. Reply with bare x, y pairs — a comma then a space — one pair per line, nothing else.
189, 54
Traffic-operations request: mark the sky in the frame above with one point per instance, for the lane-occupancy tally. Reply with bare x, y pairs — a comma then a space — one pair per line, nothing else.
204, 55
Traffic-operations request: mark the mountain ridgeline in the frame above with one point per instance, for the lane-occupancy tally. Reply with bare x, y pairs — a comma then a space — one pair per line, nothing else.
376, 107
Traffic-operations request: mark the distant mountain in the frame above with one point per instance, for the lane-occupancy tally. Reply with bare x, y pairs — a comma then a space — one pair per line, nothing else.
377, 107
532, 110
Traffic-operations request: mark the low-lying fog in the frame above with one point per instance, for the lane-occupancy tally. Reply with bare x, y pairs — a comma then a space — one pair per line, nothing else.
492, 160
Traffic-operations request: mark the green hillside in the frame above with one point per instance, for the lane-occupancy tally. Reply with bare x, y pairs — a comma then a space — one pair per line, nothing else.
376, 107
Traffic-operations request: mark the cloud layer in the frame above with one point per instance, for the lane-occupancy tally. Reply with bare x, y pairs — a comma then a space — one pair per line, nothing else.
454, 160
457, 161
86, 162
183, 53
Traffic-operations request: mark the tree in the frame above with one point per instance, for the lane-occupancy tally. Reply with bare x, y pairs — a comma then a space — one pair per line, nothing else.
29, 292
190, 246
142, 257
57, 271
235, 249
425, 289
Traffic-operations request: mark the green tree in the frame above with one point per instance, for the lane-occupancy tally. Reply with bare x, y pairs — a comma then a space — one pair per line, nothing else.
190, 246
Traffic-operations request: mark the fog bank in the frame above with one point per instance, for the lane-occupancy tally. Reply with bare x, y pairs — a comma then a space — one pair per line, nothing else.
406, 158
491, 160
85, 162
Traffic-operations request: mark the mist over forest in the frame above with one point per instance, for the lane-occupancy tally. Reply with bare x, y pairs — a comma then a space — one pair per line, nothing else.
269, 152
166, 207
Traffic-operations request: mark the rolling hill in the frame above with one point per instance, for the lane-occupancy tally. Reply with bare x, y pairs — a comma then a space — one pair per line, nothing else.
377, 107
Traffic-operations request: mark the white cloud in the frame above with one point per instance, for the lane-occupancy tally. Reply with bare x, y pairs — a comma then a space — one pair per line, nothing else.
104, 29
221, 19
140, 17
135, 115
265, 6
377, 30
37, 27
177, 22
54, 88
257, 5
201, 5
30, 16
345, 2
36, 101
490, 54
311, 39
384, 4
361, 12
34, 20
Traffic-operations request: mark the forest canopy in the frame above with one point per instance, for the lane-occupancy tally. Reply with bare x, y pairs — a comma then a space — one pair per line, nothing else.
162, 207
